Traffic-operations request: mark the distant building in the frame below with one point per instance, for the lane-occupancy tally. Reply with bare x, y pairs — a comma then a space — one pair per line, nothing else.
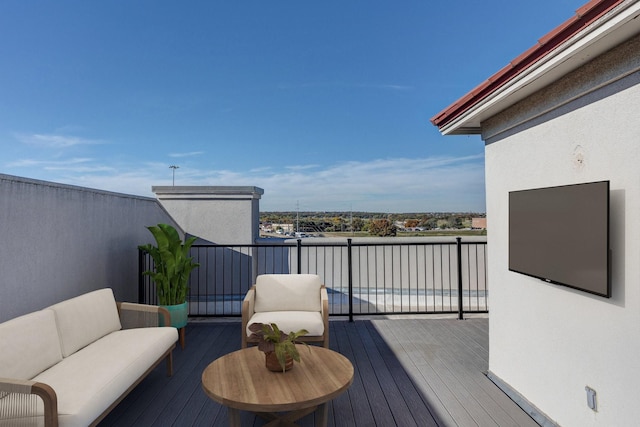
287, 228
480, 223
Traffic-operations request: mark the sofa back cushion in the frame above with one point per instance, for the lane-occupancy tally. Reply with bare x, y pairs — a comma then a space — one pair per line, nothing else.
288, 292
84, 319
30, 345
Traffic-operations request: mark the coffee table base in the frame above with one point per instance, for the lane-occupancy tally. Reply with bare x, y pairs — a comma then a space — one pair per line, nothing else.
283, 419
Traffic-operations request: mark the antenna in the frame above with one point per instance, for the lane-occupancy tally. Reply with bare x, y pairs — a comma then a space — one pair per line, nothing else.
174, 167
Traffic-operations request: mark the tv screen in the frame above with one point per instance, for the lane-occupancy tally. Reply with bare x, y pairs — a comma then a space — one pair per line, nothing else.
561, 235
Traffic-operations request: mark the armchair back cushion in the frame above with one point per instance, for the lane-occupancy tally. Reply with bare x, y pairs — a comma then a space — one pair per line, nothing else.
30, 345
288, 292
86, 318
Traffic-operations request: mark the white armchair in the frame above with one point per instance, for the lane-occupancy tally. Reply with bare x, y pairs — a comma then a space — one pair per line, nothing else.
292, 301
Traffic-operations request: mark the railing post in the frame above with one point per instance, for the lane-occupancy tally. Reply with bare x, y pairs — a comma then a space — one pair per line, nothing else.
299, 256
459, 251
350, 278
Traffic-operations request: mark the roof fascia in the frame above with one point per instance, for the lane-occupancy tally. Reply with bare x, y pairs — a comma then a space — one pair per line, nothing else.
534, 64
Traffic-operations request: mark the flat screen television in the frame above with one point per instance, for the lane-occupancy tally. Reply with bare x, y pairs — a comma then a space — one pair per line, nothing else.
561, 235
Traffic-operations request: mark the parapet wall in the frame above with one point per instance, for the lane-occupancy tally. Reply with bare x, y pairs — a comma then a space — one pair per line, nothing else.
218, 214
59, 241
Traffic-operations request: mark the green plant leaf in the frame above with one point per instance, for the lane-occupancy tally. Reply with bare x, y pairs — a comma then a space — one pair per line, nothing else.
281, 354
271, 338
172, 264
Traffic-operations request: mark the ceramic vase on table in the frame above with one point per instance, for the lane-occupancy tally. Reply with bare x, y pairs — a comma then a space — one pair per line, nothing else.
272, 363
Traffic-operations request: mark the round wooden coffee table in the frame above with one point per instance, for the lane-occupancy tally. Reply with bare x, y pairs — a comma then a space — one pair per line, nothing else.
240, 381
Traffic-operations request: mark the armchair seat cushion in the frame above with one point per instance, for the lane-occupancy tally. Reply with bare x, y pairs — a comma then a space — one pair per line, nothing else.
291, 321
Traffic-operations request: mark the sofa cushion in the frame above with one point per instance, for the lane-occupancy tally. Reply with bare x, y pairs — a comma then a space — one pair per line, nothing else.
291, 321
84, 319
90, 380
284, 292
30, 344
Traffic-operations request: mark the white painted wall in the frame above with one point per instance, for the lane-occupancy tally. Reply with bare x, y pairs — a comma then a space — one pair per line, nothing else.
59, 241
548, 342
219, 214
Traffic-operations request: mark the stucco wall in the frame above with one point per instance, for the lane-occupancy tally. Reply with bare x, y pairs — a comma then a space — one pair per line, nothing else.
218, 214
60, 241
548, 342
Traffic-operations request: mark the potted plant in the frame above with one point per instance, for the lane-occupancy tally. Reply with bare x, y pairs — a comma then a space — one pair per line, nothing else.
172, 267
279, 348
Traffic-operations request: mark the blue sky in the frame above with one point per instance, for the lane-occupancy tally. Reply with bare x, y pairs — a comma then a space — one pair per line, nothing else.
323, 104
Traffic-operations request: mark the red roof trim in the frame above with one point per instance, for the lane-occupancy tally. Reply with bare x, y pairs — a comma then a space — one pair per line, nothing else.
583, 17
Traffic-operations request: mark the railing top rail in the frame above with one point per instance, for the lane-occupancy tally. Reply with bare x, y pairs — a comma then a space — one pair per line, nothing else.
341, 243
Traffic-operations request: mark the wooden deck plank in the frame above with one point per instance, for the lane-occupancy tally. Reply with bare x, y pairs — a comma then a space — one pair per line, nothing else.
408, 372
463, 361
453, 336
497, 404
414, 402
365, 369
425, 363
396, 404
194, 401
170, 410
459, 363
360, 403
342, 411
502, 409
460, 374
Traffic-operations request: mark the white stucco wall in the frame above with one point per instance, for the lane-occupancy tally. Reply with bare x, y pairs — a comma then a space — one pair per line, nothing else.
59, 241
548, 342
219, 214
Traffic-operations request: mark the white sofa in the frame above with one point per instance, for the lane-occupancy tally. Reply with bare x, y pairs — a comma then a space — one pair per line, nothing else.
291, 301
78, 358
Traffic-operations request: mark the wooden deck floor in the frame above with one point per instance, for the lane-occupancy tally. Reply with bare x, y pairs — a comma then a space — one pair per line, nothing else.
408, 372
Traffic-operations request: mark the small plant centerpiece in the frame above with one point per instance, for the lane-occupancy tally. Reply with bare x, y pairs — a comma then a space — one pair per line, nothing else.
172, 268
279, 348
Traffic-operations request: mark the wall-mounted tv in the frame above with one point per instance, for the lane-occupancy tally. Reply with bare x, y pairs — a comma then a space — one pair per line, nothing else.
561, 235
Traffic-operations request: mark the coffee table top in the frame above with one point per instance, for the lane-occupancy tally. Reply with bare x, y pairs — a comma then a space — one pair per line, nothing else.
240, 380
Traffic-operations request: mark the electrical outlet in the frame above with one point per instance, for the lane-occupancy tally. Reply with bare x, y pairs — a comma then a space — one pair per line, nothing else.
591, 398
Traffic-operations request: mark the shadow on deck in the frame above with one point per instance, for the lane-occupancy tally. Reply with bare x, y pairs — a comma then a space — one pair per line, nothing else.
408, 372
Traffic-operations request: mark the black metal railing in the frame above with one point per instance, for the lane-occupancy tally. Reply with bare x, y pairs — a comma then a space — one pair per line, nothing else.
362, 278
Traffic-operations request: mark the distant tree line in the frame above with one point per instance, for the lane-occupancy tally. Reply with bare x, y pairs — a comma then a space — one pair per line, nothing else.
376, 224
